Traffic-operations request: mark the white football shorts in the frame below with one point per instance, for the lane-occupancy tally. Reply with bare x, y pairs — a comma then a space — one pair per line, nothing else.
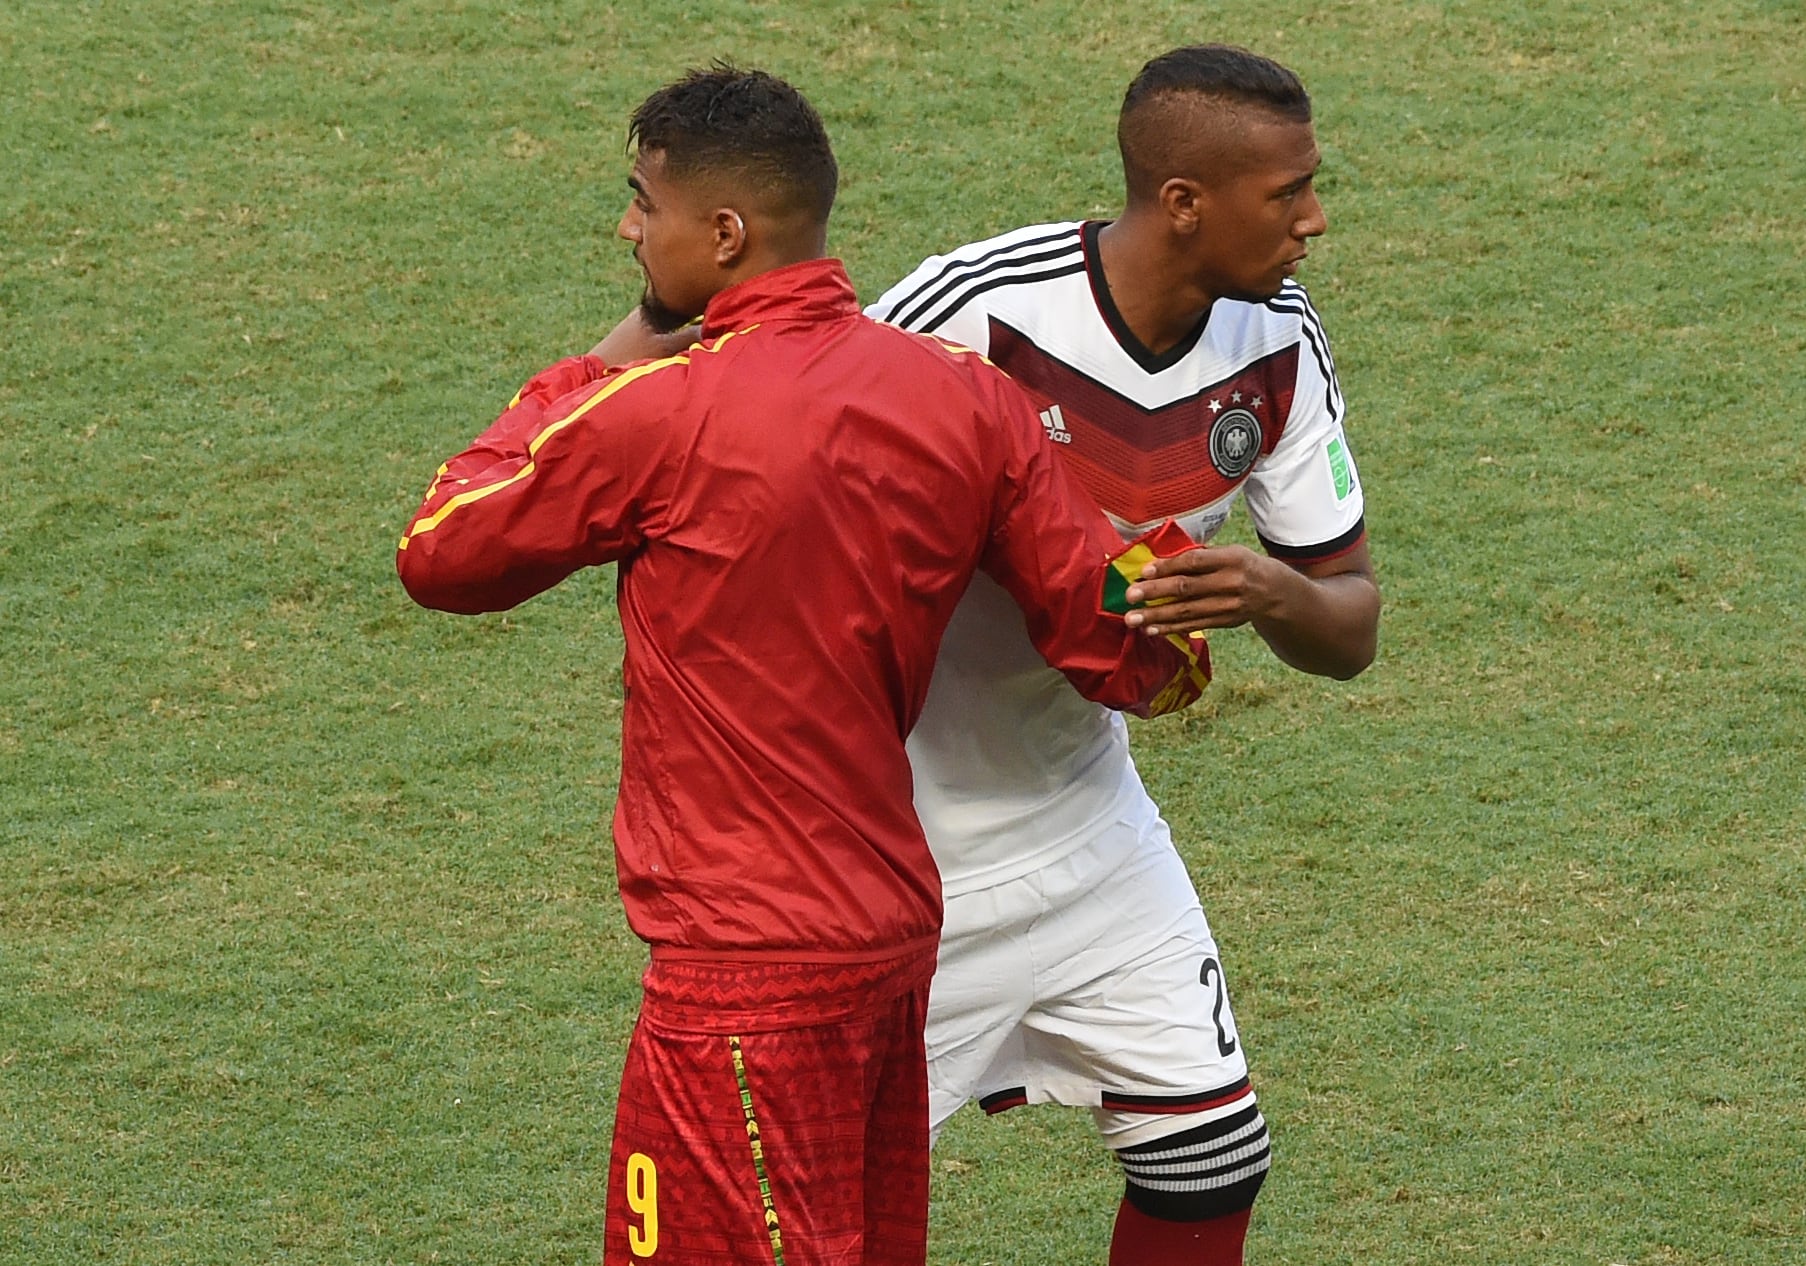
1092, 982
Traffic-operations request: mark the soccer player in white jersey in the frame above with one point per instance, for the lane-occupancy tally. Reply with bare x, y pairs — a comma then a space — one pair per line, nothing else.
1181, 367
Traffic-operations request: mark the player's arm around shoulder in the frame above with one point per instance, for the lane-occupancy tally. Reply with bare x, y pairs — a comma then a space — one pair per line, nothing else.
549, 487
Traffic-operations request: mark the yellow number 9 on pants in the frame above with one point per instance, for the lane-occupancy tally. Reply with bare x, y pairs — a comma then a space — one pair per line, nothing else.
642, 1198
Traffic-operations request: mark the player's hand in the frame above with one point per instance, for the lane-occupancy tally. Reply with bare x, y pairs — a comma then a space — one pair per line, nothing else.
633, 339
1212, 587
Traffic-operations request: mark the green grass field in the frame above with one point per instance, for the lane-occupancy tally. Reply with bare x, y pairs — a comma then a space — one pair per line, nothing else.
309, 949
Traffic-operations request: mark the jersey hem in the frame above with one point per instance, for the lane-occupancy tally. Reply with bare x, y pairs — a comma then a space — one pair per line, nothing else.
796, 954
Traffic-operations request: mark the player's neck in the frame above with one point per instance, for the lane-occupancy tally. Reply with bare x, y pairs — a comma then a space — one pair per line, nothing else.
1141, 272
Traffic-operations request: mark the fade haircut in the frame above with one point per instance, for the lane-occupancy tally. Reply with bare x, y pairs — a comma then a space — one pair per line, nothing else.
746, 125
1178, 113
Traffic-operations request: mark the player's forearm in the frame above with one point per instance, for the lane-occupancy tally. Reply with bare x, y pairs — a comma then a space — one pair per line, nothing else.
1327, 626
470, 590
1147, 677
1077, 628
1123, 670
472, 548
1319, 617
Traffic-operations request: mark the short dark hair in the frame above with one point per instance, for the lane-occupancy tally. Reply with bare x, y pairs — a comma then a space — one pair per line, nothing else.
1150, 130
744, 123
1229, 74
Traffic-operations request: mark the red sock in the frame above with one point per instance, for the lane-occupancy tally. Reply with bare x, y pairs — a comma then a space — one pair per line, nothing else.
1144, 1241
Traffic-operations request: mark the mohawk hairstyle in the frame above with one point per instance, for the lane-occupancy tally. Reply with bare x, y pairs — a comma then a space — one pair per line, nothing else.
1159, 110
745, 124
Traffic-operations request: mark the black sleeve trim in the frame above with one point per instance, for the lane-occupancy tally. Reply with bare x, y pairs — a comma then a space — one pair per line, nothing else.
1318, 553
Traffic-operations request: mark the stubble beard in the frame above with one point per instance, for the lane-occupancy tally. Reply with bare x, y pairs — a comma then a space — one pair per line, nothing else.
662, 319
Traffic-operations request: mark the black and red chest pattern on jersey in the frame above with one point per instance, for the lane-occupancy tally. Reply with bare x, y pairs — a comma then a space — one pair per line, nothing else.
1143, 464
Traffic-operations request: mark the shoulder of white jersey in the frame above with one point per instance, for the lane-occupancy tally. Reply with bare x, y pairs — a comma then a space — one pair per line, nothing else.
1292, 302
944, 347
941, 285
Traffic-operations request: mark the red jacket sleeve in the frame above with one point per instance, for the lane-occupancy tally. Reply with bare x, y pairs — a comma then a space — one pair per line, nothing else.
1051, 549
565, 478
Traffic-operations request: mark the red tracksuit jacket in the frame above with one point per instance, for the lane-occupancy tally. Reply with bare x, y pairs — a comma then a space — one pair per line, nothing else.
796, 504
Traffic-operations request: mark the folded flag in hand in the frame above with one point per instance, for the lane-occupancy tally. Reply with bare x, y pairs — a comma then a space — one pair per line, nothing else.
1124, 570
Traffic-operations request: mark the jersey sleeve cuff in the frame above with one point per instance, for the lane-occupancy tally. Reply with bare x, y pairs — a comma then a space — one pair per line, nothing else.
1320, 553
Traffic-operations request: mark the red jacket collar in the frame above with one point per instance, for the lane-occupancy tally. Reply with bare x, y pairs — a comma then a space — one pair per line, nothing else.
814, 290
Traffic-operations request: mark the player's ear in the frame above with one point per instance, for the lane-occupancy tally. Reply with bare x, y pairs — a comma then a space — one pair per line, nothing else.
730, 236
1183, 202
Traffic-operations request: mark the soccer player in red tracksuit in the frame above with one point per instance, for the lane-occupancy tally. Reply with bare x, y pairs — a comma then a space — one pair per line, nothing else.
795, 504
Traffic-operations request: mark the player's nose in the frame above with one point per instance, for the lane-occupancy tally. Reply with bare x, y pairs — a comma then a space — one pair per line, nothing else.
1312, 222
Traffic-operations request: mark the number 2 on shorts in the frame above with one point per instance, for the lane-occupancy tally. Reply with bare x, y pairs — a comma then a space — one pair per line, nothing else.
1212, 968
642, 1199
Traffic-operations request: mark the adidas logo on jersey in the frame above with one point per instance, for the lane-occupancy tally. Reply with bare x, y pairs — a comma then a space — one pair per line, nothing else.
1056, 425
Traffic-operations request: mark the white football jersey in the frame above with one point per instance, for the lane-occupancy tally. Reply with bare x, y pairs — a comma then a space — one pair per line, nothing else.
1013, 767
